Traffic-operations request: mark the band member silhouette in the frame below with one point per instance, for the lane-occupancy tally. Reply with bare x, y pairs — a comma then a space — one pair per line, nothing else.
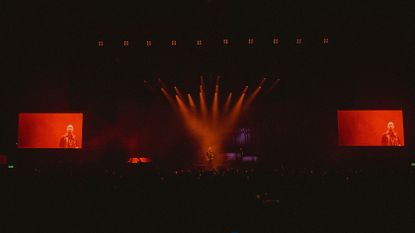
68, 140
390, 137
209, 154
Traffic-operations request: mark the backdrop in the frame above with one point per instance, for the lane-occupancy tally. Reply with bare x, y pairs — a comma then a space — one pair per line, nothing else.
366, 127
44, 130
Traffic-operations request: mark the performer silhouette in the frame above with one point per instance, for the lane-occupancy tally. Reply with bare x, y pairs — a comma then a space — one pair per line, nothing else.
209, 154
68, 140
390, 137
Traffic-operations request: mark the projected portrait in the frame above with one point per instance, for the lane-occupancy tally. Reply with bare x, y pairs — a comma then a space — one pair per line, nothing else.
50, 130
370, 128
390, 137
68, 140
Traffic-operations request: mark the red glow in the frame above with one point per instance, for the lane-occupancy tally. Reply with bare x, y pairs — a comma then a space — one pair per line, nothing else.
45, 130
137, 160
3, 160
366, 127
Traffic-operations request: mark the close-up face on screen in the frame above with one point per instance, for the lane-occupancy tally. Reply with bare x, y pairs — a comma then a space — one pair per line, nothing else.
50, 130
370, 128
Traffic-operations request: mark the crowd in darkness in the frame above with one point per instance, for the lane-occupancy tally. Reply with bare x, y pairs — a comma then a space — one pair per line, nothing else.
138, 199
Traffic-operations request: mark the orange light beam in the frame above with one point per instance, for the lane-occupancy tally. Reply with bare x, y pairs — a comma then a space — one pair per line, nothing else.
198, 128
203, 107
251, 98
202, 98
192, 123
254, 94
149, 86
162, 84
262, 82
272, 86
215, 107
227, 103
201, 81
202, 85
191, 102
235, 112
168, 97
245, 90
178, 92
215, 102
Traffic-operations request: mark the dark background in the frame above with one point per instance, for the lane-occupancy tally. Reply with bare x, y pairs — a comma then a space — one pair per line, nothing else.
51, 63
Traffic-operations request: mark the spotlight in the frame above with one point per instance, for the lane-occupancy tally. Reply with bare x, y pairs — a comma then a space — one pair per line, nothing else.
250, 41
245, 89
299, 40
100, 43
148, 43
325, 40
199, 42
173, 43
125, 43
275, 41
226, 41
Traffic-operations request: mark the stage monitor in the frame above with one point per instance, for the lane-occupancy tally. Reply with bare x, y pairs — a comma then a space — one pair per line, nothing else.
50, 130
370, 128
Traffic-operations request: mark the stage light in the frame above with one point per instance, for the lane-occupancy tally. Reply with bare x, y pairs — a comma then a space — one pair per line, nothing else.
202, 101
275, 83
299, 40
227, 103
245, 89
275, 41
100, 43
167, 95
10, 166
191, 102
236, 110
178, 93
254, 94
148, 43
125, 43
199, 42
250, 41
215, 103
325, 40
225, 41
208, 127
173, 43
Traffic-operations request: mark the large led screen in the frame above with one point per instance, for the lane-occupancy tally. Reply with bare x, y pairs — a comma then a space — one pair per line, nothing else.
50, 130
370, 128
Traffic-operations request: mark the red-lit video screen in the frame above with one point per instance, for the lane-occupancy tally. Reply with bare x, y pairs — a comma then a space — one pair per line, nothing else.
371, 128
50, 130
